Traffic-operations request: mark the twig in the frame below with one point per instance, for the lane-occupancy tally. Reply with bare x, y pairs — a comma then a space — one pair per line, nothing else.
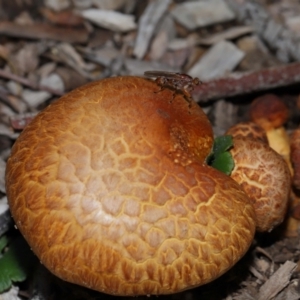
44, 31
277, 282
26, 82
248, 82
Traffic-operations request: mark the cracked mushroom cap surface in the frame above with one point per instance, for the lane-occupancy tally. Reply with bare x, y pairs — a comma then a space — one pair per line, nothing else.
249, 130
265, 177
109, 187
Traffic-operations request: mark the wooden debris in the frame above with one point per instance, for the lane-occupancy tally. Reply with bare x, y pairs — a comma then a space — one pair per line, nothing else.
229, 34
257, 55
277, 282
19, 122
128, 5
110, 19
275, 34
53, 82
65, 18
148, 24
35, 98
27, 83
44, 31
164, 34
243, 83
208, 67
138, 67
196, 14
58, 5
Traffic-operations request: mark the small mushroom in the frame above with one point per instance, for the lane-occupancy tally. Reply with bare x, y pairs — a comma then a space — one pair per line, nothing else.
262, 173
110, 188
269, 112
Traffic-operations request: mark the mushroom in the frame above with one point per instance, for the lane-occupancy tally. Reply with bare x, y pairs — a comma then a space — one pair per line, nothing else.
249, 130
109, 187
263, 174
269, 112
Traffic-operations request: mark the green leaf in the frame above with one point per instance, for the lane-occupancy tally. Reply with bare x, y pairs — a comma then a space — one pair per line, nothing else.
220, 158
16, 263
222, 144
223, 162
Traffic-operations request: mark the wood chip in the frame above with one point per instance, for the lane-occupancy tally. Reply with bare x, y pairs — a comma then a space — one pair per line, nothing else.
53, 81
57, 5
103, 56
35, 98
7, 131
165, 33
197, 14
277, 282
111, 5
229, 34
109, 19
148, 24
67, 54
219, 59
26, 59
273, 32
138, 67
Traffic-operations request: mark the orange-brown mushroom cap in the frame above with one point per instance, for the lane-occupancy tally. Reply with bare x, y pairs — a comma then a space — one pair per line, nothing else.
265, 177
268, 111
109, 187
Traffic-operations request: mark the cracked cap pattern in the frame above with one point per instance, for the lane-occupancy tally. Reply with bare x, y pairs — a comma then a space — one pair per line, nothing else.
110, 189
265, 177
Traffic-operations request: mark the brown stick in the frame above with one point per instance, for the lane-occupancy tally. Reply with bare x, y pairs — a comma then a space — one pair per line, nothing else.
244, 83
44, 31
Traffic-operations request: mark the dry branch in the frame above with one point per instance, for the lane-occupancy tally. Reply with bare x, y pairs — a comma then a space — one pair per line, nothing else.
243, 83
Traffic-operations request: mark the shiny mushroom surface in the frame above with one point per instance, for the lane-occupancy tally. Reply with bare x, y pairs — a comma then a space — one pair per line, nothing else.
110, 188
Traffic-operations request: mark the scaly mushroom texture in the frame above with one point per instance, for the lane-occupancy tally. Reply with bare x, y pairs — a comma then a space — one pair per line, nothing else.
110, 189
265, 177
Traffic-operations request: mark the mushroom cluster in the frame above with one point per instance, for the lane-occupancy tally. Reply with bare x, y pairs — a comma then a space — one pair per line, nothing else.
109, 187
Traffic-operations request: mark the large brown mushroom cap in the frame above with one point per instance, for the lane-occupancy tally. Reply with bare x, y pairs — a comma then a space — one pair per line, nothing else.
265, 177
109, 187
